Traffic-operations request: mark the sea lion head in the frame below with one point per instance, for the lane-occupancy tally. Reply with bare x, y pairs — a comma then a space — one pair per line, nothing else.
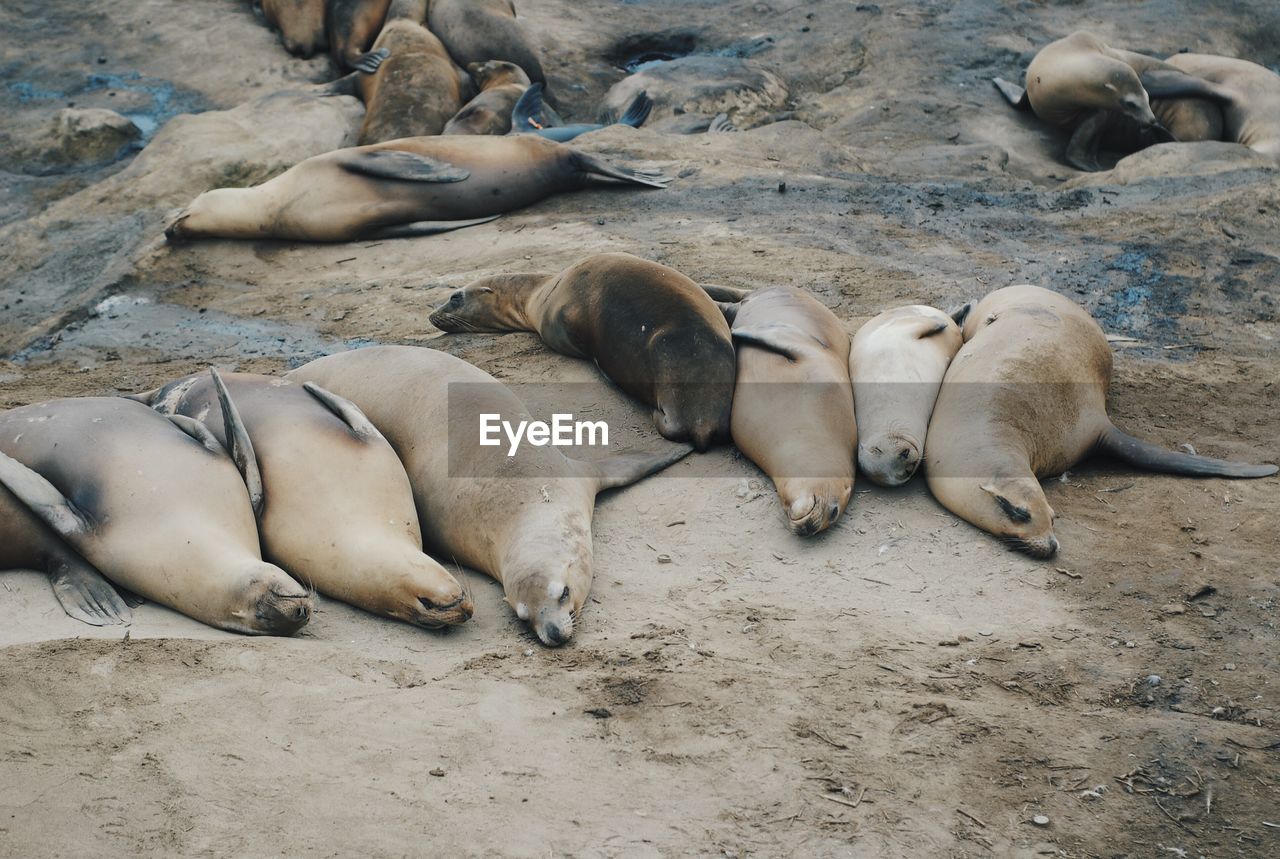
1121, 90
272, 603
475, 307
812, 505
496, 73
550, 601
890, 458
1016, 511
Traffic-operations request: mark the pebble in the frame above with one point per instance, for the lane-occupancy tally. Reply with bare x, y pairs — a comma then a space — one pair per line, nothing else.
1040, 820
1153, 680
664, 559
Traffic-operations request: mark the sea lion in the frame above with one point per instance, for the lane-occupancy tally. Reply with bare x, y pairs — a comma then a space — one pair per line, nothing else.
793, 403
1252, 116
531, 115
154, 504
501, 85
649, 328
337, 510
896, 362
524, 520
415, 186
1026, 398
300, 24
1082, 83
476, 31
352, 27
416, 90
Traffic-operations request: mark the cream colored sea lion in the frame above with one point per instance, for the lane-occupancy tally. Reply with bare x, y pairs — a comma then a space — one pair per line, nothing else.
159, 511
501, 85
337, 510
300, 24
793, 403
415, 90
352, 27
897, 361
476, 31
649, 328
1082, 83
416, 186
1252, 116
1026, 398
525, 520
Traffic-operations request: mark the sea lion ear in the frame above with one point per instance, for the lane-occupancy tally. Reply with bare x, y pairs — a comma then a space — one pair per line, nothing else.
1013, 511
961, 313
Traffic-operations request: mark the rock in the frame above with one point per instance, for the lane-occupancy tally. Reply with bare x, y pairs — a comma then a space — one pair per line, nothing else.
88, 135
1177, 159
704, 85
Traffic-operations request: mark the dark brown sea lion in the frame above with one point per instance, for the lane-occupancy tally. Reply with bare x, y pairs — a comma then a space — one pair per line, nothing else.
352, 27
476, 31
501, 85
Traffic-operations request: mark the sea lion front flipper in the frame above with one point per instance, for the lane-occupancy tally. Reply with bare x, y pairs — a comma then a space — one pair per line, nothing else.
87, 596
197, 431
239, 445
731, 294
531, 112
781, 338
345, 410
720, 124
425, 228
1153, 457
1014, 94
401, 165
638, 111
1171, 83
369, 63
627, 468
43, 498
1082, 149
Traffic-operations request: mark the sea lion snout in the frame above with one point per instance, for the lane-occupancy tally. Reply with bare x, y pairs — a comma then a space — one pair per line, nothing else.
889, 460
813, 512
280, 606
435, 614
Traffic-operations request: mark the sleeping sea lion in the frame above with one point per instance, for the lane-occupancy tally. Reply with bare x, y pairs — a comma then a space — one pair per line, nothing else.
649, 328
1026, 398
501, 85
525, 520
154, 504
1252, 116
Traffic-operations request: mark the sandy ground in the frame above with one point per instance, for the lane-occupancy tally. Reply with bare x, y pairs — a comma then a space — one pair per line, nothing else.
899, 686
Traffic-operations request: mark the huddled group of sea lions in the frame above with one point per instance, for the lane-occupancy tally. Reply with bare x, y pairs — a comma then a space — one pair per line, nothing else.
232, 498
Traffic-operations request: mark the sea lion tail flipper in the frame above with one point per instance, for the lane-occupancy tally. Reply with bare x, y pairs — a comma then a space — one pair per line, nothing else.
731, 294
144, 397
1171, 83
531, 113
626, 468
425, 228
720, 124
43, 499
345, 410
87, 596
1152, 457
239, 445
638, 111
1014, 94
961, 313
597, 167
345, 85
369, 63
401, 165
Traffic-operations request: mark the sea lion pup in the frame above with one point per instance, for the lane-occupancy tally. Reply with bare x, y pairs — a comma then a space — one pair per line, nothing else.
793, 403
476, 31
352, 27
411, 187
532, 115
337, 510
648, 328
524, 520
1082, 83
300, 24
1026, 398
501, 85
1252, 117
154, 504
896, 362
416, 90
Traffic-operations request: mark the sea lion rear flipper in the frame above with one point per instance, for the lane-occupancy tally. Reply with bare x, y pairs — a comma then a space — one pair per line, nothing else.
239, 445
730, 294
531, 112
345, 85
961, 313
144, 397
425, 228
729, 309
1014, 94
369, 63
720, 124
401, 165
593, 166
638, 111
1152, 457
345, 410
1171, 83
627, 468
87, 596
1082, 148
43, 498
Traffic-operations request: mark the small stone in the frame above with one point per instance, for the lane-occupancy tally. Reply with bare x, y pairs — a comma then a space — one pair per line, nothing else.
91, 134
1173, 608
1130, 644
437, 772
949, 642
1208, 611
664, 559
528, 652
1153, 680
782, 187
985, 633
599, 713
1230, 666
1040, 820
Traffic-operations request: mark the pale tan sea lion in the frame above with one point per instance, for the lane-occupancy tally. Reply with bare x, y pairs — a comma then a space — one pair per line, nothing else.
415, 90
649, 328
793, 402
476, 31
1080, 82
300, 24
896, 362
1252, 116
154, 504
524, 520
1026, 398
501, 85
352, 27
416, 186
337, 509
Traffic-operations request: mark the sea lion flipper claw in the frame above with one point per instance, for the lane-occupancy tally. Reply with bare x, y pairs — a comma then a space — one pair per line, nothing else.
404, 166
345, 410
1014, 94
88, 597
43, 498
239, 445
